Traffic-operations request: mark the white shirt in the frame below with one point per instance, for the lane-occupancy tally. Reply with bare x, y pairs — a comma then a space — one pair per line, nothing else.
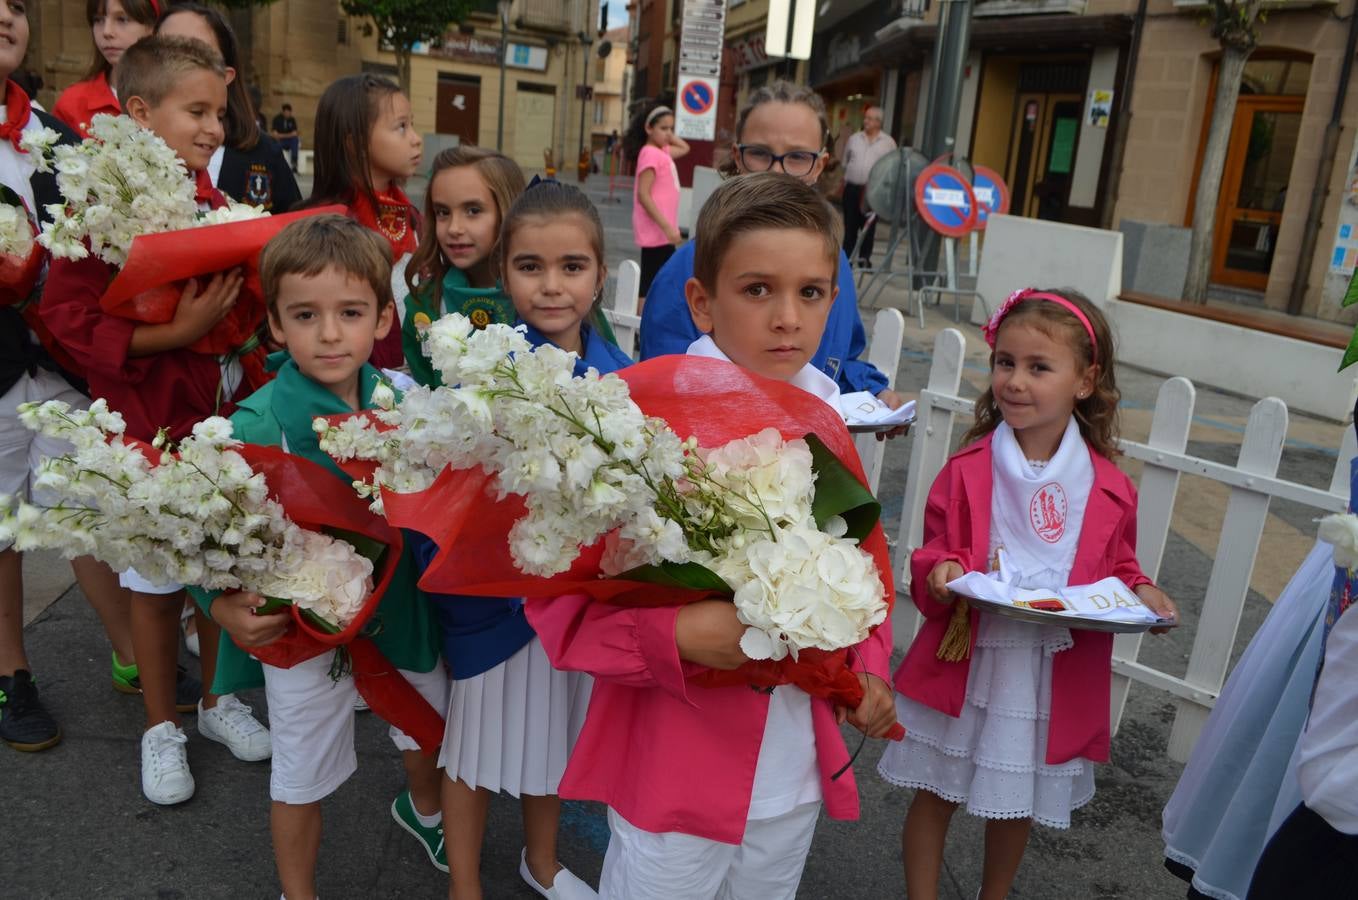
786, 775
17, 168
861, 154
1327, 755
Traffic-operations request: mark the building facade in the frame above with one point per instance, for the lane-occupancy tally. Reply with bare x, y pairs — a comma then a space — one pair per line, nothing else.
1096, 111
298, 47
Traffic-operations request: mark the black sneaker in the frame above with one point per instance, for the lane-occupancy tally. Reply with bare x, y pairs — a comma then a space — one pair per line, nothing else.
24, 723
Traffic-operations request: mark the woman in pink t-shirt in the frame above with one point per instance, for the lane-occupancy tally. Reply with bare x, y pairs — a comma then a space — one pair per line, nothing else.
655, 192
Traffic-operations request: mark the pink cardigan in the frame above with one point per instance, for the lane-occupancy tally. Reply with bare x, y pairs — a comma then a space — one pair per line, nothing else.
957, 528
665, 755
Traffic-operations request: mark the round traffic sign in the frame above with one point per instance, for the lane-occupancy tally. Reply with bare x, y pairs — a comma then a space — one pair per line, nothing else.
697, 97
992, 194
945, 201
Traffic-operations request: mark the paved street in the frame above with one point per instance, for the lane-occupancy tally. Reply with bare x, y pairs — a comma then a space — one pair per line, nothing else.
75, 824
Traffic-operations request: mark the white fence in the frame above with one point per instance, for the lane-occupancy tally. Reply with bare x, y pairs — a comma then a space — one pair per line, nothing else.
1252, 482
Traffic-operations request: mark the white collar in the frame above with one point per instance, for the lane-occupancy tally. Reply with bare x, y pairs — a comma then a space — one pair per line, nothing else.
809, 379
214, 165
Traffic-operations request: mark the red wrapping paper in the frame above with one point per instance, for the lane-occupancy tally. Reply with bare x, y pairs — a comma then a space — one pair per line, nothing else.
313, 499
712, 400
148, 286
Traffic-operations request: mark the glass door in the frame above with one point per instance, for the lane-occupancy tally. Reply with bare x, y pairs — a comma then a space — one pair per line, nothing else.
1047, 126
1254, 189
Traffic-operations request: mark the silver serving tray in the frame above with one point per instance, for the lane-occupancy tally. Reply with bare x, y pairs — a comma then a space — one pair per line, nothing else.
1065, 620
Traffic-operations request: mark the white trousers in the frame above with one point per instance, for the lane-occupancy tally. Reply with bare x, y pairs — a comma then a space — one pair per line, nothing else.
311, 721
766, 865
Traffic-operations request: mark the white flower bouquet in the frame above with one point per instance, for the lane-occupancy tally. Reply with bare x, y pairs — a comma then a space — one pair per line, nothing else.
522, 469
223, 515
201, 516
130, 202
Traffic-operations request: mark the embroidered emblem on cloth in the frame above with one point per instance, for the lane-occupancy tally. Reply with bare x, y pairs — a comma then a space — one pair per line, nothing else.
1047, 512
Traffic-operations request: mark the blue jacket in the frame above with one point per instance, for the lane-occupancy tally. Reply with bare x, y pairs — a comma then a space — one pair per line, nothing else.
479, 633
667, 327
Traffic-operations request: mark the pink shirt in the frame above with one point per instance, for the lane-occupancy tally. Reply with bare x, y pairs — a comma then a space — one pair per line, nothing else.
664, 191
957, 528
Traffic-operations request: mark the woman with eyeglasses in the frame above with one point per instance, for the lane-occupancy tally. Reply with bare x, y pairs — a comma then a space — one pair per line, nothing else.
782, 127
653, 146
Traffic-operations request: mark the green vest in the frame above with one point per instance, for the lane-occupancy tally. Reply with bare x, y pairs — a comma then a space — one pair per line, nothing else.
279, 415
484, 306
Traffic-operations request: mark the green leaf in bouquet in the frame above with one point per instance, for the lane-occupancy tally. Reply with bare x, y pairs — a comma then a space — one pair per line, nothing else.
1350, 352
839, 493
274, 604
690, 575
321, 624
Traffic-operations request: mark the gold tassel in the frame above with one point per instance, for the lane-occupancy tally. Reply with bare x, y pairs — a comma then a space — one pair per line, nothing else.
956, 643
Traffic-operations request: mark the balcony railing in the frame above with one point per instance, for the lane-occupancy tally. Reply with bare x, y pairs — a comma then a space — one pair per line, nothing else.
544, 15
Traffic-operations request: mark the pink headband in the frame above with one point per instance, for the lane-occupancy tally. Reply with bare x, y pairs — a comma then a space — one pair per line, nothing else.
992, 328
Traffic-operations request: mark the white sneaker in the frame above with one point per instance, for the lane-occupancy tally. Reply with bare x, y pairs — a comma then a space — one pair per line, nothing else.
165, 775
230, 723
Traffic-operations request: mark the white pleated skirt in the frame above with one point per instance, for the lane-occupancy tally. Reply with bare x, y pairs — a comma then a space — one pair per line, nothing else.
992, 758
513, 727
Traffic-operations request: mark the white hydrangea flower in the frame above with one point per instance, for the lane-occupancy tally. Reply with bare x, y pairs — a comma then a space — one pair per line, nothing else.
16, 231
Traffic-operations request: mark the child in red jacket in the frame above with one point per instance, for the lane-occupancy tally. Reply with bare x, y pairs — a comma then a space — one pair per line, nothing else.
1004, 716
176, 88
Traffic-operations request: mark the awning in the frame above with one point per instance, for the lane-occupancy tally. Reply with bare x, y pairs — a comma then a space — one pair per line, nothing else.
1024, 33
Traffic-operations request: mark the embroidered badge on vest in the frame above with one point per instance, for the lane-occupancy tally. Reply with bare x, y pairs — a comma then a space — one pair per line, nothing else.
1047, 512
831, 367
259, 186
481, 312
393, 222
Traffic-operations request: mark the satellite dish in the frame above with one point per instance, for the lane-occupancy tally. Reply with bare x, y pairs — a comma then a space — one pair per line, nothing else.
885, 192
605, 48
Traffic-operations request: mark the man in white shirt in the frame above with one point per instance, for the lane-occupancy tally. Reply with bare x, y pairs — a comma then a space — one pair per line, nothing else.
861, 153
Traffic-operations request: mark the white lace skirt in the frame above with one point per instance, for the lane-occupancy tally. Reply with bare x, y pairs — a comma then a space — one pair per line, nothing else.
990, 759
513, 728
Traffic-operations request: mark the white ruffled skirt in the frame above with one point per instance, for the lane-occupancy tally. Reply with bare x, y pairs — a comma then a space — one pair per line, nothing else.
990, 759
513, 727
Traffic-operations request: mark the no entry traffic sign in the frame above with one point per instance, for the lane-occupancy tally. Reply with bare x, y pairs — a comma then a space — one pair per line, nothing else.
697, 97
696, 117
945, 200
992, 194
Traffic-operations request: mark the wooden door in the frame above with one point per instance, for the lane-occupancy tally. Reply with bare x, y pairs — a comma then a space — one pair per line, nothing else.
534, 123
1254, 189
459, 107
1042, 155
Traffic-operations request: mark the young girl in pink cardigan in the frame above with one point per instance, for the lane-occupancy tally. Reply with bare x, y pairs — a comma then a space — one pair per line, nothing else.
1004, 716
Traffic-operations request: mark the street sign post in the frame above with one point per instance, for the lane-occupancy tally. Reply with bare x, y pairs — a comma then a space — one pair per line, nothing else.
701, 38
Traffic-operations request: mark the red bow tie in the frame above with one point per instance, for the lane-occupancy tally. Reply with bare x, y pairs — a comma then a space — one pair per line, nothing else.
203, 191
17, 113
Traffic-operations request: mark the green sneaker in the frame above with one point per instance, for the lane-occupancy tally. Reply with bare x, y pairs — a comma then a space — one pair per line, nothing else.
431, 838
187, 689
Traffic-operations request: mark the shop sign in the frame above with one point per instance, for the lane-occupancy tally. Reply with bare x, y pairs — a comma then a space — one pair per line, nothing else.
749, 53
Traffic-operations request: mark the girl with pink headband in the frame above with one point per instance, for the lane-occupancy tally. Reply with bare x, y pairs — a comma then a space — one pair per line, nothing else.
1003, 716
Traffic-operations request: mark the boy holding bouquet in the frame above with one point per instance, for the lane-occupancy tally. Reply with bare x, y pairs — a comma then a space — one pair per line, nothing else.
327, 284
722, 798
176, 89
30, 373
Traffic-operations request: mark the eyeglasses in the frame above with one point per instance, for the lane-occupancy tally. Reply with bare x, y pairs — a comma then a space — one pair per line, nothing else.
797, 163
